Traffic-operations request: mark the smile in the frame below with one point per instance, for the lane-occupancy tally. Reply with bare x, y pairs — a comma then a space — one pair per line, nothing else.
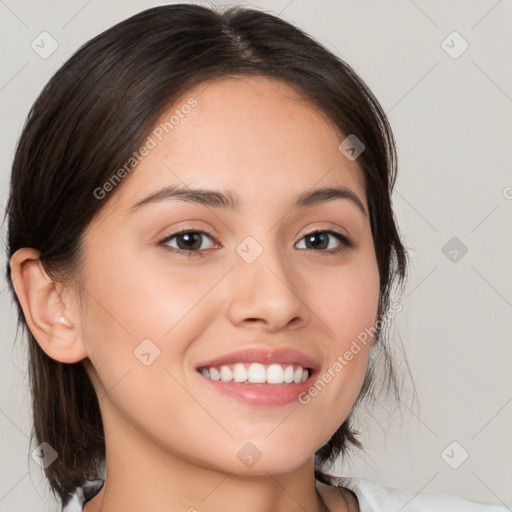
257, 373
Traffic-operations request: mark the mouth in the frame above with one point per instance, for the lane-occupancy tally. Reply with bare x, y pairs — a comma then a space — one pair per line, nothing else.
260, 376
257, 373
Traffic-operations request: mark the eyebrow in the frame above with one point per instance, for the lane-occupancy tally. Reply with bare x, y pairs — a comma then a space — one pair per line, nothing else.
219, 199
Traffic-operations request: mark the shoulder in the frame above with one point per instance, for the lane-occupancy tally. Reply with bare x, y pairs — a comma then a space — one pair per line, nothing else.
375, 497
82, 494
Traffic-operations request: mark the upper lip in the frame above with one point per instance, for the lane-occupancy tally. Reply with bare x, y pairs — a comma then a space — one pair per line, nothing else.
284, 355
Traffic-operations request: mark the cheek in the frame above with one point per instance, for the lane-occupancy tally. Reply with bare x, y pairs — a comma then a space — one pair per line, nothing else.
347, 304
128, 297
134, 308
139, 321
349, 301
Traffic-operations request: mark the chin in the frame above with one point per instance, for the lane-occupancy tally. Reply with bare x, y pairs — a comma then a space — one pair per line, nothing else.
263, 456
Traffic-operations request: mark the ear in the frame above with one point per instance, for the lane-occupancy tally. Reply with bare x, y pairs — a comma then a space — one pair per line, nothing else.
47, 307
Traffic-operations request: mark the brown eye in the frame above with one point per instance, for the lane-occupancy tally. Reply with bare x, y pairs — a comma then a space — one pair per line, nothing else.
187, 242
321, 240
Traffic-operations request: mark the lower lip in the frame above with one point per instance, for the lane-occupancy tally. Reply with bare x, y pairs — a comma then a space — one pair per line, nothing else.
261, 394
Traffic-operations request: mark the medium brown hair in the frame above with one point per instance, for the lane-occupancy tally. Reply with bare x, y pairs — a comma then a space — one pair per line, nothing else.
97, 110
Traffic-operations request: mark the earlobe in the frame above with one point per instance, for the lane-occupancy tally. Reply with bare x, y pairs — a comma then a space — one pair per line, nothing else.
47, 313
64, 320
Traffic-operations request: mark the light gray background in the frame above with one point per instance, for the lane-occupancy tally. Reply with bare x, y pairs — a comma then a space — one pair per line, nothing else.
452, 120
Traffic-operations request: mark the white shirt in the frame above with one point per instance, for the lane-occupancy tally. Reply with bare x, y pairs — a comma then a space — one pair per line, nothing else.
372, 497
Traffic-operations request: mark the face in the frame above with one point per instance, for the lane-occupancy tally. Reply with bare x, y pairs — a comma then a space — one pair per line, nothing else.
176, 284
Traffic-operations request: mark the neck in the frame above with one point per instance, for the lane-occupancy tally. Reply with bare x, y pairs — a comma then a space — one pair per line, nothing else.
141, 476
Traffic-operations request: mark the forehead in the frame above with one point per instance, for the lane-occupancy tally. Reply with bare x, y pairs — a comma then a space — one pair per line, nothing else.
252, 134
242, 106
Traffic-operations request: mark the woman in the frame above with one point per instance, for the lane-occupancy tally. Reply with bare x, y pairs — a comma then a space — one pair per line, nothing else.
202, 249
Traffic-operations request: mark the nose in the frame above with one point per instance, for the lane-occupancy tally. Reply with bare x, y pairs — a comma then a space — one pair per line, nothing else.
266, 293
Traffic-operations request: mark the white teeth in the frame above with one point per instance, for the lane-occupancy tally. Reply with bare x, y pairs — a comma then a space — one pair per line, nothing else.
275, 374
239, 373
225, 374
214, 373
256, 373
288, 374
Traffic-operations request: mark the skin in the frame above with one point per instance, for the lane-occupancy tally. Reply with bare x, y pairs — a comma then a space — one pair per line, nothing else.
171, 440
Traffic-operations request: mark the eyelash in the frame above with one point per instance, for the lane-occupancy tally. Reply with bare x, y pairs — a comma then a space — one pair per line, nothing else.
345, 243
